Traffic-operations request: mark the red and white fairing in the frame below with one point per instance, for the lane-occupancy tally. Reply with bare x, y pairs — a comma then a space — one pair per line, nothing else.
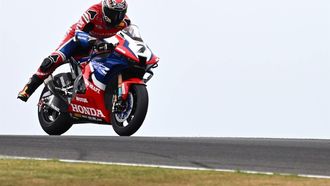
130, 44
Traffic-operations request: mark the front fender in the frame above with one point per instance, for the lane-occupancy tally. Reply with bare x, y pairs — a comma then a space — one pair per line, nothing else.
126, 84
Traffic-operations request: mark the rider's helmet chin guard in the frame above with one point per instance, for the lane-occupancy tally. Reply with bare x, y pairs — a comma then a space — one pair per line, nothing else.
114, 11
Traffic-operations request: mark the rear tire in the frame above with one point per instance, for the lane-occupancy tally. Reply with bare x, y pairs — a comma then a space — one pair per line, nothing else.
52, 122
139, 100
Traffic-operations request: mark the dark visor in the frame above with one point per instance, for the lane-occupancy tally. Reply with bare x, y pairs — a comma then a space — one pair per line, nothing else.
116, 16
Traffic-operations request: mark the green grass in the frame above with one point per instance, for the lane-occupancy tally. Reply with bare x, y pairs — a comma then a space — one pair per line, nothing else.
31, 172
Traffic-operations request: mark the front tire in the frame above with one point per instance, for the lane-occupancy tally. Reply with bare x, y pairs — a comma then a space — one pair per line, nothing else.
52, 122
136, 111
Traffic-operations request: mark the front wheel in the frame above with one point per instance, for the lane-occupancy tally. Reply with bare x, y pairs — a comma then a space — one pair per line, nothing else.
52, 122
127, 122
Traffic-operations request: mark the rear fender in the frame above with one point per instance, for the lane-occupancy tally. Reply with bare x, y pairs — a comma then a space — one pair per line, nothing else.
126, 85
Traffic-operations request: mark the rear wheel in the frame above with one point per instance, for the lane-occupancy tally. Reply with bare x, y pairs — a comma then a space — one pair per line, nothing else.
52, 122
127, 122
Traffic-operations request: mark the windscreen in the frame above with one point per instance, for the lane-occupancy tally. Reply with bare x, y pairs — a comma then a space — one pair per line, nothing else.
133, 32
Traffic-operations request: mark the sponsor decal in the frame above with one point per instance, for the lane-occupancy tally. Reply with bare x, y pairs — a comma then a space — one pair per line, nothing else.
101, 68
94, 88
79, 116
82, 100
103, 35
87, 111
91, 118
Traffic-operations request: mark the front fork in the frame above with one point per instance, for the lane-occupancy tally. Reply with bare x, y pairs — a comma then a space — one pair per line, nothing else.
119, 99
118, 103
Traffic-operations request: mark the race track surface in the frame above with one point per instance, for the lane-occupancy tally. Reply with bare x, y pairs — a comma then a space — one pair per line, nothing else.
295, 156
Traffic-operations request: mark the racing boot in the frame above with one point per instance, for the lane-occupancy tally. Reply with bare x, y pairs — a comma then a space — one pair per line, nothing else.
29, 88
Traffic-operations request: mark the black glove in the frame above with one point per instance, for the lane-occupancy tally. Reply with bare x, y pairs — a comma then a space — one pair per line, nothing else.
92, 41
103, 46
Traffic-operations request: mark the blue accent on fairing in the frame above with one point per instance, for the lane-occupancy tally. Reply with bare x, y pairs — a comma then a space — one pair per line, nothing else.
106, 66
84, 59
83, 38
126, 43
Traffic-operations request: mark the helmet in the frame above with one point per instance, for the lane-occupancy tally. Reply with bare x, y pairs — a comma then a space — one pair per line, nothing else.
114, 11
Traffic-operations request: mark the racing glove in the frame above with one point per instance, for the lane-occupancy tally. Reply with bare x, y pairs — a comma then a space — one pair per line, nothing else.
104, 46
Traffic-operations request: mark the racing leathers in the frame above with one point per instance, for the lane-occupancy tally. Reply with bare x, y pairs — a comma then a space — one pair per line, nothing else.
78, 40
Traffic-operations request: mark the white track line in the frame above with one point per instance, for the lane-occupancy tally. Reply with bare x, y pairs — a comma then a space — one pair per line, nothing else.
165, 167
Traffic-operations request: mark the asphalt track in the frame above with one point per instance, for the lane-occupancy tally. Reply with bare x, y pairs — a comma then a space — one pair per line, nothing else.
292, 156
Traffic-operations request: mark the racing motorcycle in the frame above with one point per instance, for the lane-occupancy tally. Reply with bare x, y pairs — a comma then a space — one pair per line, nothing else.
107, 87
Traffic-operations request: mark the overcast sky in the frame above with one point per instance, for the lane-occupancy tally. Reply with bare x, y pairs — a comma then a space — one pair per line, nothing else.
228, 68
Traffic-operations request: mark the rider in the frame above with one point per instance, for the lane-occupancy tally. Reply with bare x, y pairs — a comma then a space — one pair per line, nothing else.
100, 21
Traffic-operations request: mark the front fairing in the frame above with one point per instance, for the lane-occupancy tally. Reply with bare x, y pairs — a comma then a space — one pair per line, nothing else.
135, 49
130, 51
106, 66
131, 45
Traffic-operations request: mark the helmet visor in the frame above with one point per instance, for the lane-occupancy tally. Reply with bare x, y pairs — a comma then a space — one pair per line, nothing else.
114, 17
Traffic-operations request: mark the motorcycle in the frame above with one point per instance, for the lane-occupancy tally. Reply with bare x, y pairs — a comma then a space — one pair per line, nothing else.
107, 87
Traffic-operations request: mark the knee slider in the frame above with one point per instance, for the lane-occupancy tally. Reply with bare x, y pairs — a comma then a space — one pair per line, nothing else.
46, 64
